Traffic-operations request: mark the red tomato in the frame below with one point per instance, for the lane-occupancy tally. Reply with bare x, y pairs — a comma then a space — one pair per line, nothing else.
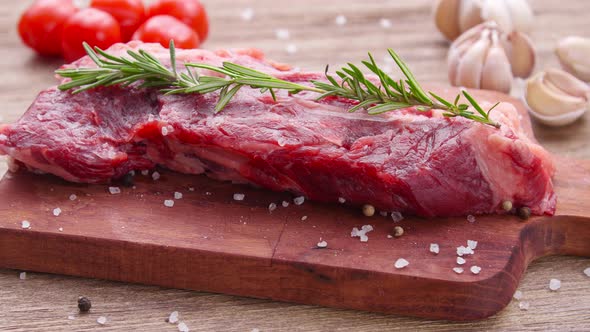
129, 13
90, 25
162, 28
190, 12
41, 25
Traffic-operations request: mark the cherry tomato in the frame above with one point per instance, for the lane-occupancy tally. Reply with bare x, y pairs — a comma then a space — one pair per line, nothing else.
162, 28
40, 26
129, 13
90, 25
190, 12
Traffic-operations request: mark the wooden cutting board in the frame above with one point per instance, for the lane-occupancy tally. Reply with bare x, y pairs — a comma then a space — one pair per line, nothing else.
208, 241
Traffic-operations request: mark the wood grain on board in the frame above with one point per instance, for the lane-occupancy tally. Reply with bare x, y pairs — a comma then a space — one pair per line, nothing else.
42, 302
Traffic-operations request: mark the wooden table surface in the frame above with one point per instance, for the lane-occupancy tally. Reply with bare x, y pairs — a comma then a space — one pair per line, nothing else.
43, 302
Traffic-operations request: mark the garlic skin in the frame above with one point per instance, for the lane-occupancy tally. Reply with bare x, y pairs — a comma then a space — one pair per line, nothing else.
557, 98
453, 17
486, 58
574, 55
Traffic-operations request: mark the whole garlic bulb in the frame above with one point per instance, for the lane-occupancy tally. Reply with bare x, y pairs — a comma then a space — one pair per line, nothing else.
574, 55
453, 17
557, 98
484, 57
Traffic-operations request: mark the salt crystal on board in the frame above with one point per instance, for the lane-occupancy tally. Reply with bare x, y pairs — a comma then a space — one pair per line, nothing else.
145, 172
56, 212
299, 200
272, 207
101, 320
434, 248
460, 260
341, 20
25, 224
524, 305
458, 270
60, 229
155, 176
285, 204
517, 295
22, 275
182, 327
362, 233
475, 269
304, 218
396, 216
114, 190
169, 203
247, 14
177, 195
341, 200
282, 34
191, 189
471, 244
587, 272
554, 284
73, 197
173, 318
322, 244
471, 218
71, 317
401, 263
239, 197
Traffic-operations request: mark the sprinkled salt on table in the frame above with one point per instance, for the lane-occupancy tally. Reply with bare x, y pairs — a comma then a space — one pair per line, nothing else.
247, 14
385, 23
341, 20
182, 327
396, 216
462, 250
471, 244
272, 207
173, 318
22, 275
304, 218
460, 260
177, 195
362, 233
114, 190
400, 263
282, 34
71, 317
60, 229
56, 212
517, 295
458, 270
524, 305
73, 197
554, 284
475, 269
101, 320
587, 272
471, 218
25, 224
341, 200
299, 200
155, 176
168, 203
285, 203
434, 248
239, 197
191, 189
322, 244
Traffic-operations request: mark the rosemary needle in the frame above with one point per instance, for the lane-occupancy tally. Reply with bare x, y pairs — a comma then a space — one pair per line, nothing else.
388, 95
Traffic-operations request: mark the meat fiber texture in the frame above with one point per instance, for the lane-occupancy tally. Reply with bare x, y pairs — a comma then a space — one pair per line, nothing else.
408, 161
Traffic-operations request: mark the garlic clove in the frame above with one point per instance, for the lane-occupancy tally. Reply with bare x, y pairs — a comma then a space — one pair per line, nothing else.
446, 18
496, 73
497, 11
521, 53
521, 15
469, 14
574, 55
558, 120
567, 83
546, 97
469, 70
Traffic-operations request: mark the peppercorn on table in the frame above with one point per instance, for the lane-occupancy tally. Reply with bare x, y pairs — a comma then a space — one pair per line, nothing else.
43, 302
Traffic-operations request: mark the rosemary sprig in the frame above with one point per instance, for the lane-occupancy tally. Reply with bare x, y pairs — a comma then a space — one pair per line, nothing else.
388, 95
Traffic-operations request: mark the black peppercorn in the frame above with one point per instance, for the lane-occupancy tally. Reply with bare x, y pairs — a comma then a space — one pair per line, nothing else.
524, 213
84, 304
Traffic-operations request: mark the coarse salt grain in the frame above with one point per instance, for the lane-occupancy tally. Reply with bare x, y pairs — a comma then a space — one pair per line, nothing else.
272, 207
385, 23
291, 48
471, 218
22, 275
191, 189
282, 34
71, 317
177, 195
517, 295
341, 20
341, 200
401, 263
60, 229
101, 320
173, 318
247, 14
169, 203
322, 244
285, 204
554, 284
73, 197
299, 200
471, 244
460, 260
434, 248
458, 270
396, 216
56, 212
389, 236
304, 218
25, 224
182, 327
114, 190
462, 250
145, 172
362, 233
587, 272
239, 197
155, 176
475, 269
524, 305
